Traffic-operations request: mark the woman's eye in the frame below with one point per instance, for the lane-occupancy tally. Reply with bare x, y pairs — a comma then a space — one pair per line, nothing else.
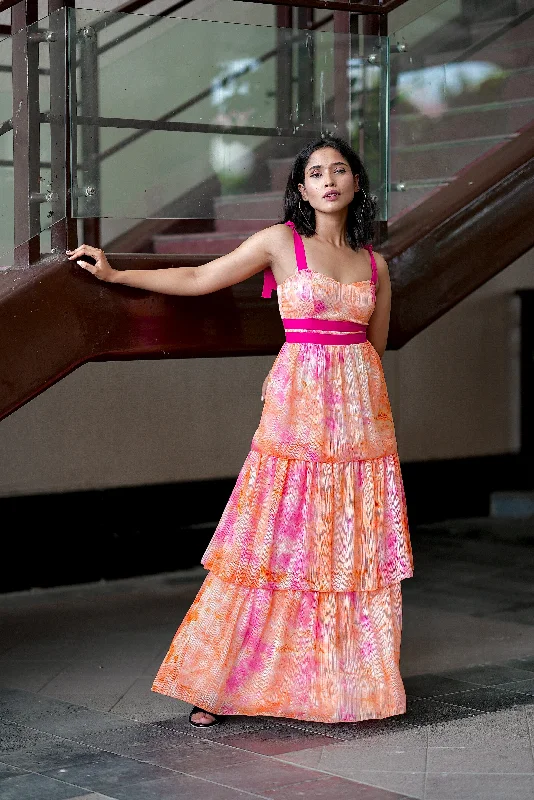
340, 170
315, 174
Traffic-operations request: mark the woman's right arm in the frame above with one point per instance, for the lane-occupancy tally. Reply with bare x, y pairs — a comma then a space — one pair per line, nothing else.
246, 260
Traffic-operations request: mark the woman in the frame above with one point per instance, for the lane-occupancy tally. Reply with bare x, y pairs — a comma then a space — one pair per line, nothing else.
300, 613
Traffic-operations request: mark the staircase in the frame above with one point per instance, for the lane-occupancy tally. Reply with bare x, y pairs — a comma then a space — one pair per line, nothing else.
236, 217
460, 211
429, 147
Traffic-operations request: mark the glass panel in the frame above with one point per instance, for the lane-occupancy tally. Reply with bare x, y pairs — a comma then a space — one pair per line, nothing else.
463, 85
194, 119
39, 201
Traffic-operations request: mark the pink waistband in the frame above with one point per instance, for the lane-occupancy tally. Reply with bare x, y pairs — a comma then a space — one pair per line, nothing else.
324, 331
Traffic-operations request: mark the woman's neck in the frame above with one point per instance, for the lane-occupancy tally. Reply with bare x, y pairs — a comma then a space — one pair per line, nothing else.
331, 228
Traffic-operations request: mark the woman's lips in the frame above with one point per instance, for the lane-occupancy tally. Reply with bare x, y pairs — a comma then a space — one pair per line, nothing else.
331, 196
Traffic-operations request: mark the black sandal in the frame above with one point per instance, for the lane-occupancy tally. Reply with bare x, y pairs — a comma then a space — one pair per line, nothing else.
196, 710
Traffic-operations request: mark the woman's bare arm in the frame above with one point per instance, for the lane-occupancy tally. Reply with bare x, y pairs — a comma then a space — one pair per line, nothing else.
246, 260
378, 328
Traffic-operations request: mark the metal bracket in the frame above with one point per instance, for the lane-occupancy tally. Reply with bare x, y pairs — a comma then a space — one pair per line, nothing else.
42, 36
43, 197
85, 191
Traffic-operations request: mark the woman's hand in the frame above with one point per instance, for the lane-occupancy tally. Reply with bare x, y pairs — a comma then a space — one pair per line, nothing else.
100, 269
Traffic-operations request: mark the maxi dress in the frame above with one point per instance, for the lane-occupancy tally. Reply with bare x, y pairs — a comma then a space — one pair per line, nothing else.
300, 613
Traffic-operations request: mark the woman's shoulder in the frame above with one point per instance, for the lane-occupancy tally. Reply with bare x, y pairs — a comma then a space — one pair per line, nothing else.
274, 236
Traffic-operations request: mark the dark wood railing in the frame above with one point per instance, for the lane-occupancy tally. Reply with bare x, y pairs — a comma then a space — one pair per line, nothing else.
55, 317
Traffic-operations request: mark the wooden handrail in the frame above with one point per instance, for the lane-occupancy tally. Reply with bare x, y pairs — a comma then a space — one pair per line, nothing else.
456, 240
439, 253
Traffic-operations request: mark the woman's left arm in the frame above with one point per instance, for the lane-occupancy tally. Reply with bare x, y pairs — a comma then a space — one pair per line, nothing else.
377, 330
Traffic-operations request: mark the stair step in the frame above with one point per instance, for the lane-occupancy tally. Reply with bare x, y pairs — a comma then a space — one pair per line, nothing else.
247, 226
437, 160
488, 119
401, 202
198, 243
260, 206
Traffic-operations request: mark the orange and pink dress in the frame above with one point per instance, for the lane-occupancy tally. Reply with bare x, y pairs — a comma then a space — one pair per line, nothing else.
300, 614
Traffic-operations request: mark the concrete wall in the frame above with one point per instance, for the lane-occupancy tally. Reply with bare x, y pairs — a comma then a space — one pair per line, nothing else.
454, 391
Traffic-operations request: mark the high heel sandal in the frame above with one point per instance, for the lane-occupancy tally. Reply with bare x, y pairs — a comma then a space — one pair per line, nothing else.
196, 710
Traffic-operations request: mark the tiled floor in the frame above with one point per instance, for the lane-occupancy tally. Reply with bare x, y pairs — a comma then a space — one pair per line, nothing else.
78, 719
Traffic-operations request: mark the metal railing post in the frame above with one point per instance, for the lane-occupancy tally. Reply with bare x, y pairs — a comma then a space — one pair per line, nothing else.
306, 67
26, 134
63, 232
89, 104
284, 66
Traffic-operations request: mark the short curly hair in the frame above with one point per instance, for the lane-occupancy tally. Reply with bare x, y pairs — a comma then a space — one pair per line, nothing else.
361, 211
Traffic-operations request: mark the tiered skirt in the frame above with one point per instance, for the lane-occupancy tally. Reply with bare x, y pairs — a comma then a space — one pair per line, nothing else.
300, 615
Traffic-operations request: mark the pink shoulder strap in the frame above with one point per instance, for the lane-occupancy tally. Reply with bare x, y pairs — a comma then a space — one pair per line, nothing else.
300, 253
269, 283
374, 271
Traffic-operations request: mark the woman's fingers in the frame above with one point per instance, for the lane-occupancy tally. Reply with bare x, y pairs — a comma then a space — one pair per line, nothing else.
85, 250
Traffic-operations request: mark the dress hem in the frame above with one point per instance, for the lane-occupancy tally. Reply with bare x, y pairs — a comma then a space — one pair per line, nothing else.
181, 693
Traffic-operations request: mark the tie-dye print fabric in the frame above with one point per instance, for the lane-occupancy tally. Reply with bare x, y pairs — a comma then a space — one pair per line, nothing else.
300, 615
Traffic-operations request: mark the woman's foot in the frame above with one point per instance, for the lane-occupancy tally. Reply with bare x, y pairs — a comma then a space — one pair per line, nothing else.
202, 719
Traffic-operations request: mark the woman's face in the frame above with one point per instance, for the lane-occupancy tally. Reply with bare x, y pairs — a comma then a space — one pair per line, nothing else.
329, 184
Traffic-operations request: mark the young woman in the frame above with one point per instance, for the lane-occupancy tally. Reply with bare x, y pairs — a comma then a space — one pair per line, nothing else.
300, 613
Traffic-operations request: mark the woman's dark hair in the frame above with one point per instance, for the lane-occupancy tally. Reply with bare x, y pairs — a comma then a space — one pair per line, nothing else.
361, 210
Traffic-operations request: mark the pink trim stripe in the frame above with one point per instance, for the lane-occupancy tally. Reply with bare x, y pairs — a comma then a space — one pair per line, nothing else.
314, 324
269, 283
312, 337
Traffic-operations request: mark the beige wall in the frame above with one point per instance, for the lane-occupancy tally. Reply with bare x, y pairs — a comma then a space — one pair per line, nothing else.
454, 392
455, 387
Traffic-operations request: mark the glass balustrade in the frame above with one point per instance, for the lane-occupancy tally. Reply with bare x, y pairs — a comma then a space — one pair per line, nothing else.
192, 119
462, 84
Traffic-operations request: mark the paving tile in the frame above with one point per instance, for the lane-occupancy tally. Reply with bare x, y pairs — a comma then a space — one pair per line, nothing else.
451, 786
402, 784
92, 796
348, 760
489, 674
518, 686
54, 716
504, 728
139, 702
432, 685
480, 759
180, 787
491, 698
131, 739
7, 771
209, 756
522, 663
330, 788
276, 740
100, 690
35, 750
266, 775
104, 771
36, 787
30, 675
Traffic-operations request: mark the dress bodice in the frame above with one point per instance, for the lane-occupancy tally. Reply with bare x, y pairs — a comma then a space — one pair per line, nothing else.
312, 294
